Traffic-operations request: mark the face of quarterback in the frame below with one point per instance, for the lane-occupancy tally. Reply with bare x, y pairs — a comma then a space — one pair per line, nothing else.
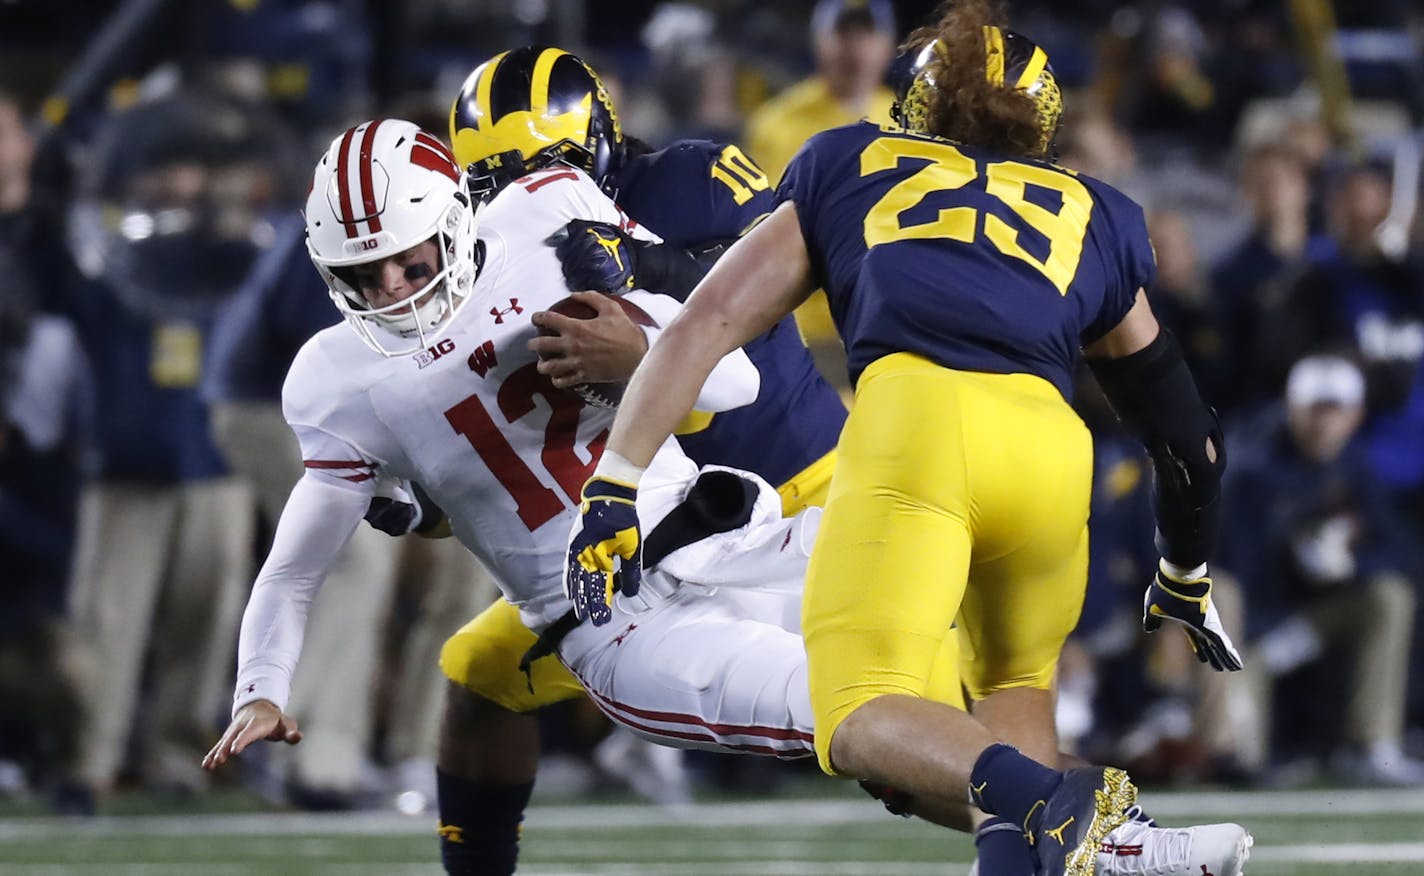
393, 279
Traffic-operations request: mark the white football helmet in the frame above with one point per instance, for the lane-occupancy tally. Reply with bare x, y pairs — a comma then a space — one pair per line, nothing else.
383, 187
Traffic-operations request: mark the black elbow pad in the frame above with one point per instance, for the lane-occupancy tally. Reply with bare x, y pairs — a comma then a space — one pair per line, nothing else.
1154, 395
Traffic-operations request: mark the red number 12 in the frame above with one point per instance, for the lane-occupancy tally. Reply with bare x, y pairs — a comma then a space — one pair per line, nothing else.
536, 503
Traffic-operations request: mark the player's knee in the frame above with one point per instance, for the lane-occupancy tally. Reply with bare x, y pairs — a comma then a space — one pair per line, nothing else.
839, 734
1028, 674
896, 802
456, 658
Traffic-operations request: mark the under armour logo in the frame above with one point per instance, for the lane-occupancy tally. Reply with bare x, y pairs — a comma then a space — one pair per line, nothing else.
513, 307
1057, 832
618, 639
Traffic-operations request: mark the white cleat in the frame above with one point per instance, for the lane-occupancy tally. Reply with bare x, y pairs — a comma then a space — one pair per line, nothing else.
1138, 849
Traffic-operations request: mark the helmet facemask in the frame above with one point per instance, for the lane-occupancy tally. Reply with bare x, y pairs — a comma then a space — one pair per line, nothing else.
418, 320
399, 191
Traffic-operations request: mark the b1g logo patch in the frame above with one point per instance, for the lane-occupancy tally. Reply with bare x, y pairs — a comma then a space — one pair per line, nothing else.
430, 354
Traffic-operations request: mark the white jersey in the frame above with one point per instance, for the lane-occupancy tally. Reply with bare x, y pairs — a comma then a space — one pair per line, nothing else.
493, 442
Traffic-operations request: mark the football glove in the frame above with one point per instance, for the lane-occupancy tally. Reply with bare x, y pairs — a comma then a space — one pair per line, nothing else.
1188, 602
393, 515
596, 256
605, 550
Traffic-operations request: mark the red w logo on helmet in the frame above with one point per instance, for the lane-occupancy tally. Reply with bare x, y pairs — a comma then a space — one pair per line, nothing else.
431, 154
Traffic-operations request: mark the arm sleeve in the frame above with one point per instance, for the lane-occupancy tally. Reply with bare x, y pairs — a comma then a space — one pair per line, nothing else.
733, 383
316, 523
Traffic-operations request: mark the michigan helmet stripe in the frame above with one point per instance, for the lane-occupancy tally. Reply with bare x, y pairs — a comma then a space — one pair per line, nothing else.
482, 89
368, 188
539, 80
994, 54
343, 190
1036, 62
509, 87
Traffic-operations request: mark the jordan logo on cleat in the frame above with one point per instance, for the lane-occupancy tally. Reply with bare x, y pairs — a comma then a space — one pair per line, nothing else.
451, 833
1057, 832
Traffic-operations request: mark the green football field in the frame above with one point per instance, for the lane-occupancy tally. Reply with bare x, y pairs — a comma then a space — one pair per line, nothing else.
1309, 833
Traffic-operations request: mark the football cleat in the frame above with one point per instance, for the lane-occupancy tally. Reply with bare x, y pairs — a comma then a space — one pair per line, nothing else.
1089, 805
1139, 849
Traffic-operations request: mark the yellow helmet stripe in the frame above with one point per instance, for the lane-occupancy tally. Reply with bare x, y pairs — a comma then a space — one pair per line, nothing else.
1035, 66
482, 89
994, 54
539, 80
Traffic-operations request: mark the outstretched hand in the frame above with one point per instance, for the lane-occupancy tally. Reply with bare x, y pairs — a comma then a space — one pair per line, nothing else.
1186, 603
258, 720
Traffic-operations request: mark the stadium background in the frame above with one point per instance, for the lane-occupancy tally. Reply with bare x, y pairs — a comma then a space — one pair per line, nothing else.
145, 313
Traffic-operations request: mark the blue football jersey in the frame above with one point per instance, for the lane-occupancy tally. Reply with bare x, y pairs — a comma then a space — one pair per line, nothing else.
974, 261
697, 194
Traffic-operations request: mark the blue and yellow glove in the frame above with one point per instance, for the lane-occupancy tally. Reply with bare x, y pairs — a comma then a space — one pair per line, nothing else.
1187, 601
596, 256
605, 550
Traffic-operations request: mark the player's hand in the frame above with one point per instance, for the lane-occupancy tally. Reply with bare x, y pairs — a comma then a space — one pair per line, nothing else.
605, 550
1188, 602
604, 349
596, 255
258, 720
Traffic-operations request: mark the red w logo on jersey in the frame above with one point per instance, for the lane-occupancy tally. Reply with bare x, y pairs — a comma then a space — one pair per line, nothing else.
482, 360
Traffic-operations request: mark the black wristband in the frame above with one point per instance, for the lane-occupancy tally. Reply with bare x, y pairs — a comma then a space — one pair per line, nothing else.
666, 269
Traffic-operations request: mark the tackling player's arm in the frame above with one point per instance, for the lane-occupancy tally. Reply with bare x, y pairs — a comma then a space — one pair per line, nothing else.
603, 257
610, 346
759, 281
721, 193
1142, 372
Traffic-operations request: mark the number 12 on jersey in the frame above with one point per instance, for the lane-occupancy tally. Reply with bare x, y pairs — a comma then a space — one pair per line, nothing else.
1006, 181
535, 503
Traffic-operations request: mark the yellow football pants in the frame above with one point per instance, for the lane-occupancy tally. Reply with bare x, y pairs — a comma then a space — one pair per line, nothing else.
957, 495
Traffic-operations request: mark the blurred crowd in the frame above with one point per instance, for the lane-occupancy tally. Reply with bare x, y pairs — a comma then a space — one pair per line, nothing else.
154, 286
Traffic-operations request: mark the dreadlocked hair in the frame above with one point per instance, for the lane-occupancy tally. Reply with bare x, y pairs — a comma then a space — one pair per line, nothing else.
966, 106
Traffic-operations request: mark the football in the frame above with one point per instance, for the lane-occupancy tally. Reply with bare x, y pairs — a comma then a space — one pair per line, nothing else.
603, 395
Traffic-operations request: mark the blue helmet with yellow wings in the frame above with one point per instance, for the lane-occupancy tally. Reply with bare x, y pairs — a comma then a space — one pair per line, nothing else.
527, 108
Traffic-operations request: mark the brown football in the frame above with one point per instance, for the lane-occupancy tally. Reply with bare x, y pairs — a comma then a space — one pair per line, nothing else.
603, 395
